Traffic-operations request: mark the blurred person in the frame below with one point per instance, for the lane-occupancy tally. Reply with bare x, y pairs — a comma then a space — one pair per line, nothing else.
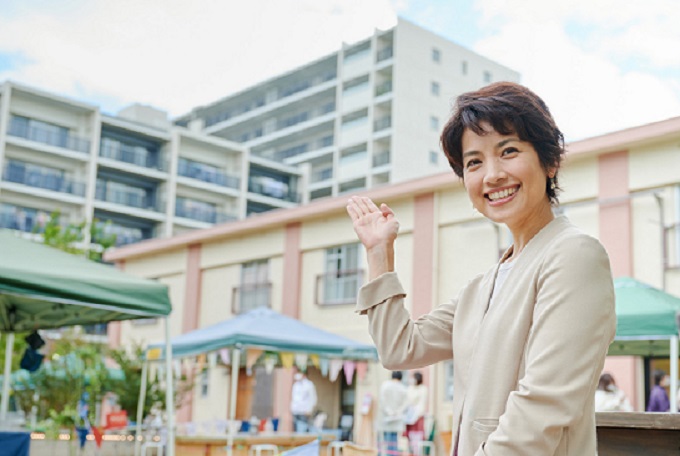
303, 401
609, 398
393, 401
528, 337
658, 397
417, 403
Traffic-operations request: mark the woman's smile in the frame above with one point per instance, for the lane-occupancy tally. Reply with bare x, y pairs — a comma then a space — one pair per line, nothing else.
501, 196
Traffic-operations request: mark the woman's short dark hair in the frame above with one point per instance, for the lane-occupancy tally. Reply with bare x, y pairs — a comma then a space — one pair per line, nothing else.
658, 376
509, 108
418, 377
396, 375
605, 381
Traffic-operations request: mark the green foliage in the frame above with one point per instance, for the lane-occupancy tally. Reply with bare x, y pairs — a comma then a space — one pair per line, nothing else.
69, 237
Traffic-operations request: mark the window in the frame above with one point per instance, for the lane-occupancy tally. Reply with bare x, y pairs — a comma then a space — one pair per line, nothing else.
255, 288
205, 383
464, 67
436, 55
340, 284
434, 88
487, 77
434, 123
434, 157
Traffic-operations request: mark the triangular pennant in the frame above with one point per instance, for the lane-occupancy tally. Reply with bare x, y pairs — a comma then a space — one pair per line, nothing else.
270, 361
314, 359
336, 367
252, 354
324, 364
301, 361
362, 368
224, 356
286, 359
348, 367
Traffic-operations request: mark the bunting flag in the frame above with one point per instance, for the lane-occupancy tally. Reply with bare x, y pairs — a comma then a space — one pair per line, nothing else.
270, 360
336, 367
348, 367
323, 366
200, 362
301, 361
224, 356
252, 354
154, 353
314, 359
362, 368
212, 360
286, 359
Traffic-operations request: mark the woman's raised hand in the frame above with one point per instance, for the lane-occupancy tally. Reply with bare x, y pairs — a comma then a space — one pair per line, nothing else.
375, 226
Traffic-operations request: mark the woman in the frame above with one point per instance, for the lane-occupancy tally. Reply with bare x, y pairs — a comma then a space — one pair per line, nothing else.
609, 398
415, 413
658, 398
529, 337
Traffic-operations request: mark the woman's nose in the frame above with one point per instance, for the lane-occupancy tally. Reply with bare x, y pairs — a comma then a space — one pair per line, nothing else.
494, 173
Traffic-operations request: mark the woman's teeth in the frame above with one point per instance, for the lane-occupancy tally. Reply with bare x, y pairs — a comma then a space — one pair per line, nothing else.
502, 194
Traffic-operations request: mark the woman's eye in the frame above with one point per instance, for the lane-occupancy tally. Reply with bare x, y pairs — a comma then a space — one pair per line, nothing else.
472, 163
510, 150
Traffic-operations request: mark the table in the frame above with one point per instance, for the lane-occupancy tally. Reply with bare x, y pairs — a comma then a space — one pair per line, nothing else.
215, 445
635, 433
15, 443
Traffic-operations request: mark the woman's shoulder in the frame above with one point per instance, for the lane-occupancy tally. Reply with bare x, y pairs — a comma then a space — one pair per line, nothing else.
571, 239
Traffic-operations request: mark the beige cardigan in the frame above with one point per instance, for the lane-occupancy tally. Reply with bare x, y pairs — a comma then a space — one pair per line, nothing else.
525, 373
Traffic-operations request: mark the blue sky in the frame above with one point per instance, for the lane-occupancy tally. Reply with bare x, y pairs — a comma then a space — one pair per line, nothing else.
601, 65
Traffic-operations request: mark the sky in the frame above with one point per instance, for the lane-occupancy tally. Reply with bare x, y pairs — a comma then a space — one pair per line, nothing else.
600, 65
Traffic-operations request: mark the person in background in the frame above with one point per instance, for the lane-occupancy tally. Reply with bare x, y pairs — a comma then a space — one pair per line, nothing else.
658, 398
303, 401
393, 401
415, 413
609, 398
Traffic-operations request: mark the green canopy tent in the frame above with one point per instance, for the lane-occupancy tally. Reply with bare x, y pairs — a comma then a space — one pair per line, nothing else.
646, 325
42, 287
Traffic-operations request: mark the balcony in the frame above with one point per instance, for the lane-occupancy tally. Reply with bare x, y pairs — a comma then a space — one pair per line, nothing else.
338, 287
201, 213
383, 88
124, 234
322, 175
24, 219
134, 155
46, 134
250, 296
273, 188
43, 178
383, 123
382, 158
384, 54
127, 197
204, 173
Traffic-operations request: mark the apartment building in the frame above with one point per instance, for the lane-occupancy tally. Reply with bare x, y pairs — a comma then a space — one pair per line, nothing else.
137, 171
364, 116
305, 262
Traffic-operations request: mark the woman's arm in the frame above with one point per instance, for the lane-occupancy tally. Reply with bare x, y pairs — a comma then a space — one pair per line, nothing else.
573, 324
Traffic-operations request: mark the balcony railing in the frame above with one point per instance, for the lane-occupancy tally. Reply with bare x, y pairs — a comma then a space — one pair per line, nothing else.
382, 158
48, 136
338, 287
202, 214
27, 220
272, 188
134, 155
17, 173
250, 296
383, 88
383, 123
211, 176
322, 175
126, 198
384, 54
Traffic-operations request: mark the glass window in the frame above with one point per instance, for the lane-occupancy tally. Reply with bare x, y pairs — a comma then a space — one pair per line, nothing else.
342, 278
436, 55
487, 77
255, 286
434, 157
434, 123
434, 88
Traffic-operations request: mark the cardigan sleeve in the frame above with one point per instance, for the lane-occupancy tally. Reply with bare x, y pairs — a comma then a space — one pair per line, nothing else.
574, 322
401, 342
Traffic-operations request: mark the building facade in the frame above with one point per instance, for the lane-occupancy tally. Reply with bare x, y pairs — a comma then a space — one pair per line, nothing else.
305, 262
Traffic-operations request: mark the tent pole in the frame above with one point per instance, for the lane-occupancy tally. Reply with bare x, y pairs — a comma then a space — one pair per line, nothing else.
4, 404
169, 391
674, 373
140, 408
235, 366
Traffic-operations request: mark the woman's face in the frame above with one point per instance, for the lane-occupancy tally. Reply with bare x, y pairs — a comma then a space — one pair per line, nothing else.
505, 180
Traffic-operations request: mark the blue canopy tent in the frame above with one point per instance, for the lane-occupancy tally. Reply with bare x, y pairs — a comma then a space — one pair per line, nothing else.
264, 329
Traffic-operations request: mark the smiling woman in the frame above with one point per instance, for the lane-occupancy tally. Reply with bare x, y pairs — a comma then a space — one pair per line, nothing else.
529, 337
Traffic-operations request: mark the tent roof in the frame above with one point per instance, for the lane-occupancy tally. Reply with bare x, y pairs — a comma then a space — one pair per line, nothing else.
42, 287
266, 329
645, 317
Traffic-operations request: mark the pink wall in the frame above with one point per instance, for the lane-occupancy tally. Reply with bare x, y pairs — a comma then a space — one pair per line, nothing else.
192, 309
290, 306
616, 235
423, 264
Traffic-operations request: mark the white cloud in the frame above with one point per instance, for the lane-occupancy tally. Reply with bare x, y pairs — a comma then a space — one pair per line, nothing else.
176, 54
596, 85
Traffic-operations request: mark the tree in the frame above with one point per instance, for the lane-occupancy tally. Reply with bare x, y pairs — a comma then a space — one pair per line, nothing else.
69, 238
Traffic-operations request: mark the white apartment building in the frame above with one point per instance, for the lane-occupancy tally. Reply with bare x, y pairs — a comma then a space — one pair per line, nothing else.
361, 117
364, 116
